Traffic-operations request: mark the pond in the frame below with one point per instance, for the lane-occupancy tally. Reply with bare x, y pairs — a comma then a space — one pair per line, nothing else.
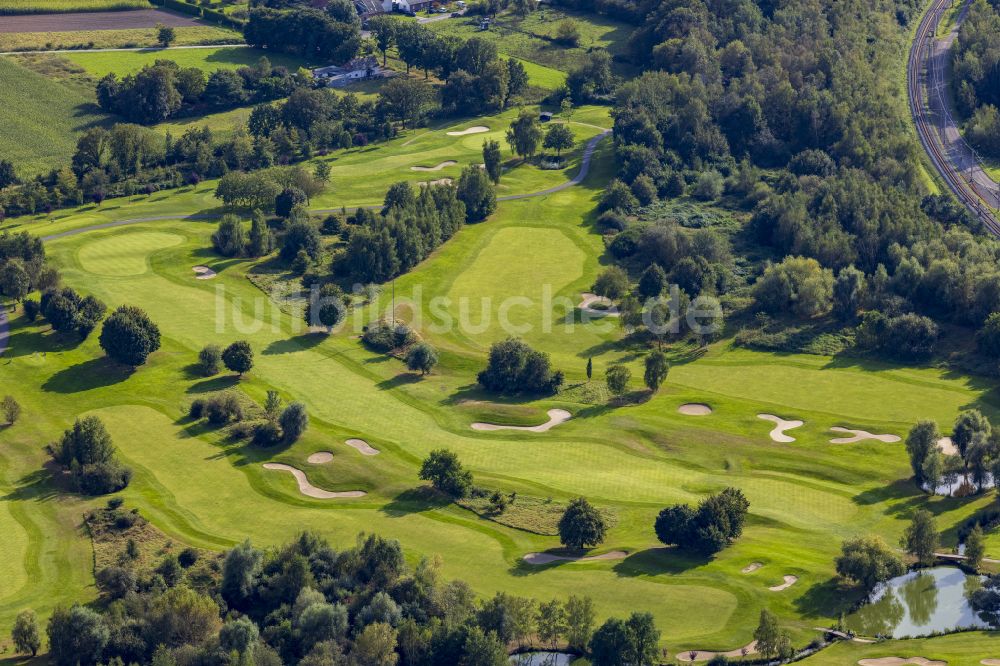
917, 604
542, 659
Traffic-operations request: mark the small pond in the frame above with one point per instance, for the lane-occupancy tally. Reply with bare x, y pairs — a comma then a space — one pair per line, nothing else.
917, 604
542, 659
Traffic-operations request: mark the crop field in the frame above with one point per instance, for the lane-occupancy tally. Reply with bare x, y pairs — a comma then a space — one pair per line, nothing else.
54, 6
41, 118
114, 39
203, 489
531, 38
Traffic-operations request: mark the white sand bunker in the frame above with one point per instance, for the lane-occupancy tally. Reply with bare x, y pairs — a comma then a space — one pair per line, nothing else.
990, 662
899, 661
320, 458
705, 655
364, 447
436, 167
789, 581
203, 273
590, 300
695, 409
750, 568
476, 129
860, 435
549, 558
309, 489
556, 416
947, 446
781, 425
439, 181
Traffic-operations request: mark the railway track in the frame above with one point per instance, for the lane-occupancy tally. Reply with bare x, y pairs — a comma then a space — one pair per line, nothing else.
921, 77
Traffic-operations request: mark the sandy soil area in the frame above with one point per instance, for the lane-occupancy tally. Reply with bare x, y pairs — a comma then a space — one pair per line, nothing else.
436, 167
705, 655
860, 435
320, 458
781, 425
476, 129
899, 661
695, 409
588, 300
203, 273
364, 447
309, 489
556, 416
789, 581
750, 568
947, 446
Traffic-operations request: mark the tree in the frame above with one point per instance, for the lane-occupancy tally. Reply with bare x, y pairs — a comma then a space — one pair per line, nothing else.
968, 425
848, 292
559, 137
551, 621
988, 337
612, 283
590, 368
643, 638
582, 525
288, 199
15, 283
421, 357
87, 451
294, 421
301, 235
921, 537
376, 646
609, 646
579, 621
617, 377
77, 636
483, 649
241, 569
238, 635
771, 641
567, 33
715, 524
11, 409
921, 440
933, 469
524, 134
476, 191
652, 282
229, 239
25, 633
404, 99
129, 336
492, 158
165, 35
656, 370
443, 469
975, 548
327, 306
238, 357
209, 360
868, 561
383, 28
514, 367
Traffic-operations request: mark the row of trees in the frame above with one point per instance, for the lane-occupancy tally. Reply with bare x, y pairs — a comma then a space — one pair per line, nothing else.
330, 35
23, 268
978, 448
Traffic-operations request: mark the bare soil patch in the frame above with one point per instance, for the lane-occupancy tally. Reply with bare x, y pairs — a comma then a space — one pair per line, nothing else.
72, 22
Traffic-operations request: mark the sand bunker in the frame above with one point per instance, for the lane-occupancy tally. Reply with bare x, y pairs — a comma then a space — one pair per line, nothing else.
947, 446
437, 167
476, 129
899, 661
778, 434
203, 273
556, 416
320, 458
364, 447
695, 409
589, 300
750, 568
706, 655
309, 489
789, 581
990, 662
549, 558
860, 435
439, 181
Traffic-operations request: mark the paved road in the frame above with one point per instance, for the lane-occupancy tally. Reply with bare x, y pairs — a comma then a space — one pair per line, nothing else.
4, 330
588, 153
132, 48
939, 134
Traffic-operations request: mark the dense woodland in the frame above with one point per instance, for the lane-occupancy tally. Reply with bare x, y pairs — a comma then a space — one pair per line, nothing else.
976, 77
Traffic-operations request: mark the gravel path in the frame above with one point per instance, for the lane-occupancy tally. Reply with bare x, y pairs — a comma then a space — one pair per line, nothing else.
588, 153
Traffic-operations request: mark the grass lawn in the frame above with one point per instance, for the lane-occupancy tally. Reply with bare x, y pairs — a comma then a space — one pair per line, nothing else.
209, 60
114, 39
964, 649
41, 118
530, 38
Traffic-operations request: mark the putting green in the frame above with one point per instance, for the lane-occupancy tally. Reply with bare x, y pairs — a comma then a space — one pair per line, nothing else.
124, 254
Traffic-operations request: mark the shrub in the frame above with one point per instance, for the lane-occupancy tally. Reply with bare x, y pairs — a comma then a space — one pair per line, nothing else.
197, 408
612, 283
514, 367
266, 434
223, 408
187, 557
129, 336
87, 451
210, 360
383, 336
716, 523
294, 421
421, 357
238, 357
443, 469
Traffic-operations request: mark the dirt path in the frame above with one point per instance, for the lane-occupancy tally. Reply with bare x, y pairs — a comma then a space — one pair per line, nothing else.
588, 152
77, 21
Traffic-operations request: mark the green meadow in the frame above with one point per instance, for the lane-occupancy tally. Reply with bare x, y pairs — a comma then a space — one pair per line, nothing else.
208, 59
204, 489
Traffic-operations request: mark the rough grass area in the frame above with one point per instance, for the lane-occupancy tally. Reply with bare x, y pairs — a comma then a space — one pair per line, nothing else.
209, 60
59, 6
113, 39
532, 514
531, 37
40, 118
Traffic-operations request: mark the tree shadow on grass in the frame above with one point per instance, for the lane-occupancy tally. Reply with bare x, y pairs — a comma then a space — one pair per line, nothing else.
24, 342
92, 374
827, 599
415, 500
215, 384
402, 379
298, 343
660, 560
476, 393
897, 490
39, 485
